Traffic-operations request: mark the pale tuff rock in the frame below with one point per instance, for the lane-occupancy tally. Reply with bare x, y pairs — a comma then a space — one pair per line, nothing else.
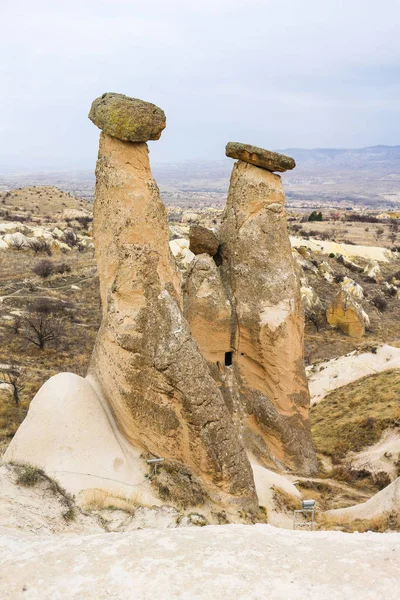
335, 373
145, 361
386, 502
345, 313
326, 271
253, 303
181, 252
265, 159
350, 264
349, 286
203, 240
311, 301
373, 272
128, 119
70, 434
391, 289
305, 264
304, 252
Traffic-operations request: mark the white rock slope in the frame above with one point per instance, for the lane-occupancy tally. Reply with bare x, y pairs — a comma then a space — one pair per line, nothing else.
239, 562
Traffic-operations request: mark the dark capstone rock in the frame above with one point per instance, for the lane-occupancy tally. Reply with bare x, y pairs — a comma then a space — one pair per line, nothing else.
128, 119
202, 240
265, 159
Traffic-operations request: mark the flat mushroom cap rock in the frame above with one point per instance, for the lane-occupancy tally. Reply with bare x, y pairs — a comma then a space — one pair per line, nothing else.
265, 159
127, 119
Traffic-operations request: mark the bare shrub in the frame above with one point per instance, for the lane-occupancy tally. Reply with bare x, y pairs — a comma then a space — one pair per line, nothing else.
12, 376
44, 268
40, 328
62, 268
70, 238
40, 246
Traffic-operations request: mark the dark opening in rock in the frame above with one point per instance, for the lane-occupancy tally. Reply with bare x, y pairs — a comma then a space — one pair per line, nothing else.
228, 359
218, 257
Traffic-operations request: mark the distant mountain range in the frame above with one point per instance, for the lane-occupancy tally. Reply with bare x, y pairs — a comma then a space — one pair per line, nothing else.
375, 157
360, 176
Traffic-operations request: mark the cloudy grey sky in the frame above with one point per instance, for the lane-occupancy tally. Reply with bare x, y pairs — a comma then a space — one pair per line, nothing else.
275, 73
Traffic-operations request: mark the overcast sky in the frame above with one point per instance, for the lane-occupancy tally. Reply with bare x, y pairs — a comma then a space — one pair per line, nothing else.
274, 73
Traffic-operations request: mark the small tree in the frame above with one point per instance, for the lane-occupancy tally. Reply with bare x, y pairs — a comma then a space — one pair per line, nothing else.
379, 232
13, 377
315, 216
393, 236
40, 328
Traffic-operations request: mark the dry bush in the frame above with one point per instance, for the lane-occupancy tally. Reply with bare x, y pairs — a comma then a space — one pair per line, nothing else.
380, 303
40, 246
176, 484
44, 268
28, 475
285, 502
389, 521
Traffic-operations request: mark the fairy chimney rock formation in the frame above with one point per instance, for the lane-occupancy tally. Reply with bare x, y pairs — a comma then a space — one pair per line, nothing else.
145, 360
265, 159
246, 314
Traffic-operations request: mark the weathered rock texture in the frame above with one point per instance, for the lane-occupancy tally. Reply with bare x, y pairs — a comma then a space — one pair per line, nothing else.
127, 119
145, 360
345, 313
247, 318
265, 159
202, 240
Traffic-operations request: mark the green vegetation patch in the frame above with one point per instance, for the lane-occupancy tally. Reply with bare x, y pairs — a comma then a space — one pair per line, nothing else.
354, 416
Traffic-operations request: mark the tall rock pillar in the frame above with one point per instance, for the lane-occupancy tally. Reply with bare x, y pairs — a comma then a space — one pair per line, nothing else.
267, 334
145, 361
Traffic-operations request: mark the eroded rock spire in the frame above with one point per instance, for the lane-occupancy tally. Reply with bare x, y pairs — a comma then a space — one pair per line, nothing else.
251, 300
145, 360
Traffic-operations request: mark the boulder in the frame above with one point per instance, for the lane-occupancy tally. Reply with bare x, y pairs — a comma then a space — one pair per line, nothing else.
311, 301
345, 313
373, 272
265, 159
17, 240
128, 119
391, 289
325, 270
350, 264
349, 286
202, 240
304, 252
181, 252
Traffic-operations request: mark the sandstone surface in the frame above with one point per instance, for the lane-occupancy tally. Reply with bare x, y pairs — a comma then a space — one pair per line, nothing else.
345, 313
246, 315
128, 119
145, 361
271, 161
202, 240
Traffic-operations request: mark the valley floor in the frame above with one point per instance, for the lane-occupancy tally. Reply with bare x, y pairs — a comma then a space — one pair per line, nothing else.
231, 561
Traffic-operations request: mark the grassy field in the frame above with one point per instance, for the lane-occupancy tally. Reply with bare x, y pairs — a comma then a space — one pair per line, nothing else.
354, 416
